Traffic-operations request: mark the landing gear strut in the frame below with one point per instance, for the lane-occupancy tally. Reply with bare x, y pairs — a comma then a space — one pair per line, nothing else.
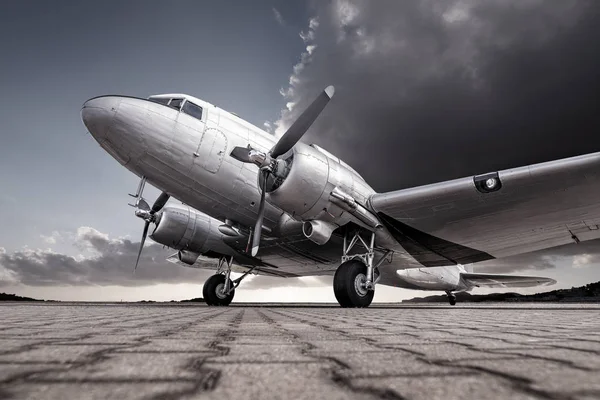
451, 298
219, 289
355, 279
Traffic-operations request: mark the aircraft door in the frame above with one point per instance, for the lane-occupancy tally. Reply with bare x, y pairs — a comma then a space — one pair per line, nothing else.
211, 151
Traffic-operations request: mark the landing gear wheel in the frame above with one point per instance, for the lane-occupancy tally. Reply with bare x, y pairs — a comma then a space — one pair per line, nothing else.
348, 285
213, 291
452, 299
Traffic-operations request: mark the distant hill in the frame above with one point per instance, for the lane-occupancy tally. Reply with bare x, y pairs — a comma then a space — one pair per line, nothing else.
14, 297
195, 300
587, 293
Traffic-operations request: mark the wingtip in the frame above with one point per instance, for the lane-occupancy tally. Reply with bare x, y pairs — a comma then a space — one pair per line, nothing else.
254, 251
329, 91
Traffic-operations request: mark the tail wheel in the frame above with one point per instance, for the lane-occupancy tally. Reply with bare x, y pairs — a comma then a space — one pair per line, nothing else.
213, 291
348, 285
452, 299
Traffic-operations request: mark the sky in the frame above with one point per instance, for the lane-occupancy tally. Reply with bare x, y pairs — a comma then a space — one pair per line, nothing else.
425, 91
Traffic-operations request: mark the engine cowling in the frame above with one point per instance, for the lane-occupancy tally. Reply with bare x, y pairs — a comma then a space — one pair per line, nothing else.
310, 176
183, 228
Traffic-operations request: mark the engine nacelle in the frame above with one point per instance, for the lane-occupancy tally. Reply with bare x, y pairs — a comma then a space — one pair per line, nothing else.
183, 228
311, 175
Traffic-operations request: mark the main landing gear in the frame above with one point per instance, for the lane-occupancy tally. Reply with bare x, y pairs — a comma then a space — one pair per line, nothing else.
355, 279
219, 289
451, 298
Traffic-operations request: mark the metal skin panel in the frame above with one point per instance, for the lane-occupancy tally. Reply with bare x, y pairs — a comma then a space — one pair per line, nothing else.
532, 210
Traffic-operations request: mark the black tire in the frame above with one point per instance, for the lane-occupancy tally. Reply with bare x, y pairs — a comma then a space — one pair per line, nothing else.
209, 291
344, 286
452, 300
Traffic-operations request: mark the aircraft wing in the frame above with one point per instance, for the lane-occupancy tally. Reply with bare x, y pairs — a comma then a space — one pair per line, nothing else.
528, 208
504, 281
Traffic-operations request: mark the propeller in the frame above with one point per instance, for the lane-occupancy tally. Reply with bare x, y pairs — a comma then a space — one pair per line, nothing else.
148, 215
267, 161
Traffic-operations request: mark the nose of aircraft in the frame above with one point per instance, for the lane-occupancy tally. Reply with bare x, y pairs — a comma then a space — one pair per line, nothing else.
98, 113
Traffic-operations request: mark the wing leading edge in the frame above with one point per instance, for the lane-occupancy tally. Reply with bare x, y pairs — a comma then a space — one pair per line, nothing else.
504, 281
531, 208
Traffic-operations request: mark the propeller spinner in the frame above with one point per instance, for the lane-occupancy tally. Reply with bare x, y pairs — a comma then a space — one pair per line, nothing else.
148, 215
266, 162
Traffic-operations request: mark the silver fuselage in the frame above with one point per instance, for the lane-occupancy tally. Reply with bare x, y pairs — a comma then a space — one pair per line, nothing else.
189, 159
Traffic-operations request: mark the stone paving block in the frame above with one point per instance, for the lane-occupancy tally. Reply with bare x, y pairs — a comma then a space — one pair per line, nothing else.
101, 390
385, 363
55, 353
263, 353
277, 381
448, 352
577, 358
10, 345
9, 372
170, 345
128, 366
544, 375
448, 387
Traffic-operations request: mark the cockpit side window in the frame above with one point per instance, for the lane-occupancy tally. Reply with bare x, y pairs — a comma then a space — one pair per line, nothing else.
192, 109
159, 100
176, 103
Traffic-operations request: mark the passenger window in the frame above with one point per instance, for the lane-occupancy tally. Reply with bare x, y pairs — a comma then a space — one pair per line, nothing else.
176, 103
159, 100
192, 109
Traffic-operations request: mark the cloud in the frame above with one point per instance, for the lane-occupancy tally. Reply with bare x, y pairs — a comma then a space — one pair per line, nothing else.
278, 17
103, 261
434, 90
268, 126
52, 238
575, 255
107, 261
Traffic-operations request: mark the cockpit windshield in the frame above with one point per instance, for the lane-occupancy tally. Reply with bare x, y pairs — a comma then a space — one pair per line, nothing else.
180, 104
192, 109
159, 100
176, 103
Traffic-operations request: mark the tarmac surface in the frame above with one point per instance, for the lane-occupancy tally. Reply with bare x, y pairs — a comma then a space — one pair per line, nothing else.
175, 351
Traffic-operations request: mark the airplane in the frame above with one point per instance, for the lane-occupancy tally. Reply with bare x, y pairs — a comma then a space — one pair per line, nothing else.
252, 203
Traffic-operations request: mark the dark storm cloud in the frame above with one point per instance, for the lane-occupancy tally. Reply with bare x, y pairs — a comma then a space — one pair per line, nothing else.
106, 262
433, 90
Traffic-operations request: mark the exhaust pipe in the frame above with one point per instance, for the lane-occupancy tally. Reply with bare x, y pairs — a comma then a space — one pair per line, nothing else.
318, 231
188, 257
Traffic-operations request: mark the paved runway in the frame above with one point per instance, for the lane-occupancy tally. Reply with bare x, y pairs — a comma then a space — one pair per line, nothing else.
83, 351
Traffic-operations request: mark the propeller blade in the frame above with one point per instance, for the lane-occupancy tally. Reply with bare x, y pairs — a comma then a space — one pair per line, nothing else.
159, 203
241, 154
301, 125
144, 234
261, 214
